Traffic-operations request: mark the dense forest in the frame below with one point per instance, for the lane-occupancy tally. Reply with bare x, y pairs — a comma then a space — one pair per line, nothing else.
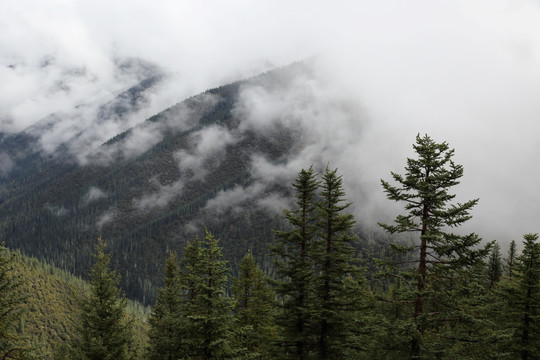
440, 294
53, 207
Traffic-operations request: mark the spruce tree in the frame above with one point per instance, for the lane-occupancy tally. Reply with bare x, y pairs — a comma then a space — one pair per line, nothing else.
512, 254
295, 270
105, 331
12, 345
494, 270
440, 255
166, 330
340, 287
522, 294
208, 312
254, 308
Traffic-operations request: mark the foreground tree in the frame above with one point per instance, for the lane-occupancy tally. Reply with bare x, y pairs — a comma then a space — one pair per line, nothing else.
254, 308
510, 261
12, 345
440, 256
165, 331
494, 270
105, 331
340, 287
295, 270
208, 312
522, 294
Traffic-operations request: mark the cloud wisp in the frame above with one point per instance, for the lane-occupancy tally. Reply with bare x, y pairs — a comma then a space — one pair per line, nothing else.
466, 72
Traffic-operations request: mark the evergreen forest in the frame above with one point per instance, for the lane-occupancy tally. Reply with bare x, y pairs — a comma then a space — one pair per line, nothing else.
320, 292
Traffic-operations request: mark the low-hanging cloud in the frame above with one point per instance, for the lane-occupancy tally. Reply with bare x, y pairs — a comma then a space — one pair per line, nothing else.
94, 194
209, 145
466, 72
160, 198
6, 164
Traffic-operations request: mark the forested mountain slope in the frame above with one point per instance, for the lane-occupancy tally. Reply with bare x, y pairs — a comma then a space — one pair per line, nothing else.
51, 309
147, 194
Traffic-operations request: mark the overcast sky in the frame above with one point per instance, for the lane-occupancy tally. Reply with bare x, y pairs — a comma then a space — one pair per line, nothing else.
464, 71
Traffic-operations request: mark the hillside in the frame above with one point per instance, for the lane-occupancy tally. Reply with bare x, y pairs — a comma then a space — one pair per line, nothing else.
147, 194
51, 306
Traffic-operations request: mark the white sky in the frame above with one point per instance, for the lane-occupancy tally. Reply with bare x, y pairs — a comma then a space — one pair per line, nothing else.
464, 71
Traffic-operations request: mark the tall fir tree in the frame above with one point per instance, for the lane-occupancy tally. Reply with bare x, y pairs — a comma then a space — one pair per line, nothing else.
295, 270
166, 331
254, 308
12, 300
494, 270
440, 256
340, 287
510, 261
105, 330
522, 295
208, 312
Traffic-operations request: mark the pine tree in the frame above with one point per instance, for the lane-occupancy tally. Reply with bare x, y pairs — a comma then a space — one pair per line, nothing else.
339, 285
104, 330
295, 270
166, 330
12, 345
254, 308
440, 256
522, 294
208, 312
494, 265
512, 253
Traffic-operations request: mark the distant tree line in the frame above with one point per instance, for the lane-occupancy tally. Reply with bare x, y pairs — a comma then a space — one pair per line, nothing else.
444, 296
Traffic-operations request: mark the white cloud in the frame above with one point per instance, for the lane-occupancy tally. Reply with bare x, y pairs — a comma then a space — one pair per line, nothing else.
160, 198
208, 146
106, 217
6, 164
463, 71
93, 194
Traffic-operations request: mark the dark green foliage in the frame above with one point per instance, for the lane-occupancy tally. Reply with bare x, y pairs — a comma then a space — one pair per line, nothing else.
254, 308
441, 257
105, 330
208, 312
522, 295
340, 287
166, 333
12, 345
324, 295
295, 269
494, 265
512, 254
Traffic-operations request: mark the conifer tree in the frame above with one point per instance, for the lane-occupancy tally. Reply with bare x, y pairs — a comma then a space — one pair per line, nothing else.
522, 295
254, 308
12, 345
512, 253
440, 256
295, 270
208, 312
166, 330
190, 270
494, 265
105, 331
340, 287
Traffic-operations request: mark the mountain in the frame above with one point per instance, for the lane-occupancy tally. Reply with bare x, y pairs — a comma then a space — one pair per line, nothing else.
51, 314
151, 188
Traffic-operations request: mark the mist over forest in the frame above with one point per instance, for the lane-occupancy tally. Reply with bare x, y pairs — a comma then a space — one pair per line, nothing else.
465, 72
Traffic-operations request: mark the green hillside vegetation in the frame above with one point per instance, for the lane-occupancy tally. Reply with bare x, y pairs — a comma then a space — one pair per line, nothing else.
51, 309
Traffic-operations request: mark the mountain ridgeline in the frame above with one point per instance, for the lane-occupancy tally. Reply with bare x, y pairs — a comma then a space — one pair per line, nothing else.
53, 205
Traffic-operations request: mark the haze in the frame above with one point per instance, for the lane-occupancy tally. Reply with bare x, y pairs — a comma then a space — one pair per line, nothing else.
465, 72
